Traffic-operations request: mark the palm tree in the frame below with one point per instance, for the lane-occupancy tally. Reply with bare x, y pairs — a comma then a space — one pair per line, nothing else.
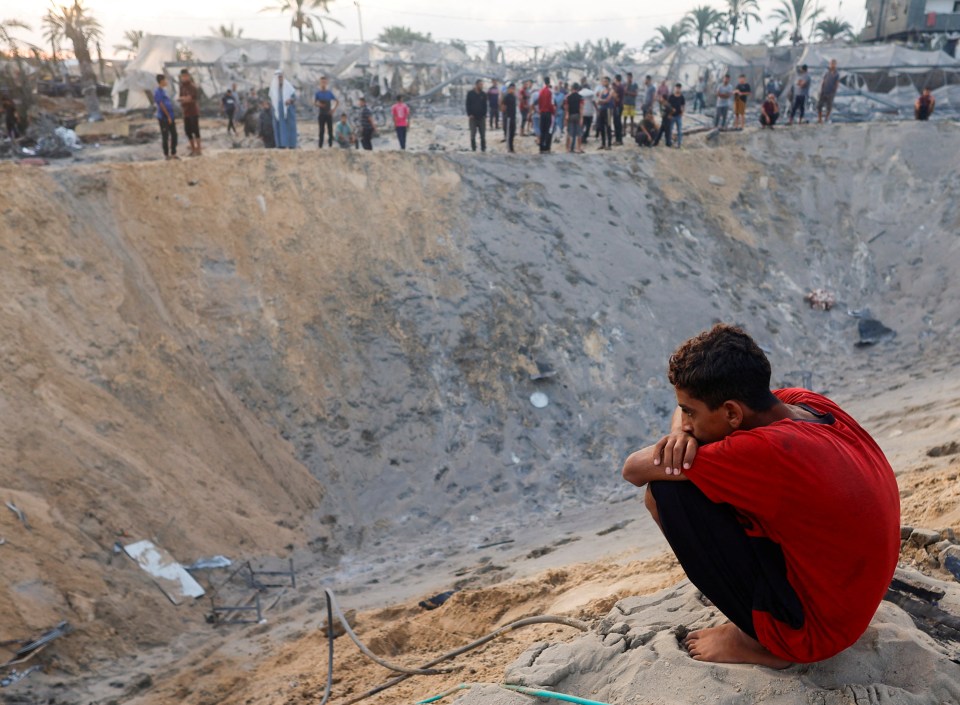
131, 45
668, 36
741, 11
833, 27
702, 20
302, 17
576, 54
72, 22
605, 49
774, 36
398, 35
793, 14
10, 42
11, 46
230, 32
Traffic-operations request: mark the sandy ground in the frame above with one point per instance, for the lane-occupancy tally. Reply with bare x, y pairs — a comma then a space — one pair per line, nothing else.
233, 355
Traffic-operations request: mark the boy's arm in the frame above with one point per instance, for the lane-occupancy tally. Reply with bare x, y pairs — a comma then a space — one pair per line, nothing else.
664, 459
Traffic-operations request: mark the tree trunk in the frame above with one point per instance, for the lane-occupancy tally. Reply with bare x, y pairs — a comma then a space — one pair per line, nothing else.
88, 77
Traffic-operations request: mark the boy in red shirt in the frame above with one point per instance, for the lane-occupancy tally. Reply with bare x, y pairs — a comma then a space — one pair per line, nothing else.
401, 120
781, 509
546, 108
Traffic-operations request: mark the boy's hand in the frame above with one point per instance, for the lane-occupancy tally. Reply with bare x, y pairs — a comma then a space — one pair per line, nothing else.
675, 452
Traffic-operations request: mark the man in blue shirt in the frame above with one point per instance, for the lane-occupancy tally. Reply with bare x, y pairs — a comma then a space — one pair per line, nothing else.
326, 106
168, 128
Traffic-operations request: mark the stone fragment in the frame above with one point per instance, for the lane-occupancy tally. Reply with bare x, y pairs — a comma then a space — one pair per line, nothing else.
922, 538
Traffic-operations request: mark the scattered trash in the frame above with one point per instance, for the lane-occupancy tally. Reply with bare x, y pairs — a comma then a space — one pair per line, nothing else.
20, 515
262, 202
431, 603
193, 182
494, 543
16, 675
820, 299
872, 332
210, 563
31, 648
68, 138
717, 180
544, 371
539, 400
175, 582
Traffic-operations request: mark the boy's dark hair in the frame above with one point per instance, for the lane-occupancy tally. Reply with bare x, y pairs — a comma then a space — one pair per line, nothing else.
678, 85
723, 364
160, 78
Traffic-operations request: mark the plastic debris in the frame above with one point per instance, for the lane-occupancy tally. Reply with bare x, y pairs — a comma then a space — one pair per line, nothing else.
16, 675
820, 299
175, 582
20, 515
210, 563
539, 400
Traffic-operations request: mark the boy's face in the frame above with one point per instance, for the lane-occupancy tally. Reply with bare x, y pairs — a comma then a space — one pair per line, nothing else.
704, 424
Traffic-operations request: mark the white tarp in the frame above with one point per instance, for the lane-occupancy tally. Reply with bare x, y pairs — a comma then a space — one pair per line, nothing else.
879, 57
171, 577
687, 63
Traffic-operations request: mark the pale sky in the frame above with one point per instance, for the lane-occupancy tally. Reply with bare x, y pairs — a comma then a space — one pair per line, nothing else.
551, 24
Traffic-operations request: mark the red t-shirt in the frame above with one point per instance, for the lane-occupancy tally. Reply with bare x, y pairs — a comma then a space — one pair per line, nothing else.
545, 101
827, 495
401, 113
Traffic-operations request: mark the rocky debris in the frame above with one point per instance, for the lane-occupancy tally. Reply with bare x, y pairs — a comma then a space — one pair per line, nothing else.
872, 332
931, 549
951, 448
820, 299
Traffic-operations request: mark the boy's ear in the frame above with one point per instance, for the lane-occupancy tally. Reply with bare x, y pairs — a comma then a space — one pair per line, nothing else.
733, 412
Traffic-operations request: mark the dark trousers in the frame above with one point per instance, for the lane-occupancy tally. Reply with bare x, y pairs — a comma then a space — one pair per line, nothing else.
326, 121
617, 125
478, 124
768, 120
666, 130
587, 122
366, 138
230, 126
738, 573
799, 105
168, 137
603, 127
494, 116
510, 127
402, 136
546, 131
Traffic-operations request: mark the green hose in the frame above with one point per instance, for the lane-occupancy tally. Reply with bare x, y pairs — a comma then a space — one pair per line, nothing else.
535, 692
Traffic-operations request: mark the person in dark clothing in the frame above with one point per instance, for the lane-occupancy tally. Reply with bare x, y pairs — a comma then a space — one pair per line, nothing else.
800, 94
11, 118
667, 115
229, 106
477, 113
606, 101
493, 105
769, 112
619, 92
573, 109
190, 104
168, 127
647, 130
368, 126
326, 103
678, 102
265, 127
547, 109
524, 107
510, 114
924, 106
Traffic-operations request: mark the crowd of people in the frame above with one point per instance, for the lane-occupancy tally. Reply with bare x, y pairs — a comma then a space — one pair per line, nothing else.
567, 113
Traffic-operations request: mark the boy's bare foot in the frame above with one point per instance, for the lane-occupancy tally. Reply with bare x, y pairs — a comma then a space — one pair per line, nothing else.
730, 644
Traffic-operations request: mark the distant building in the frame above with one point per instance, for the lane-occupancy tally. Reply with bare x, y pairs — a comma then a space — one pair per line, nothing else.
905, 19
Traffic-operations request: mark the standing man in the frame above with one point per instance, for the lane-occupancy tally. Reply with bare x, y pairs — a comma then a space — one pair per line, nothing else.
741, 93
559, 103
649, 95
800, 94
168, 128
477, 113
630, 93
619, 91
678, 103
509, 103
589, 110
326, 103
228, 104
12, 118
368, 126
546, 108
493, 105
605, 103
828, 91
573, 109
401, 120
524, 106
283, 100
190, 104
701, 90
751, 489
724, 96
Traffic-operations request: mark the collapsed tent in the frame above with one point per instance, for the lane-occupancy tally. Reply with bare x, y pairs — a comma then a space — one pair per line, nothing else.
687, 64
216, 63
